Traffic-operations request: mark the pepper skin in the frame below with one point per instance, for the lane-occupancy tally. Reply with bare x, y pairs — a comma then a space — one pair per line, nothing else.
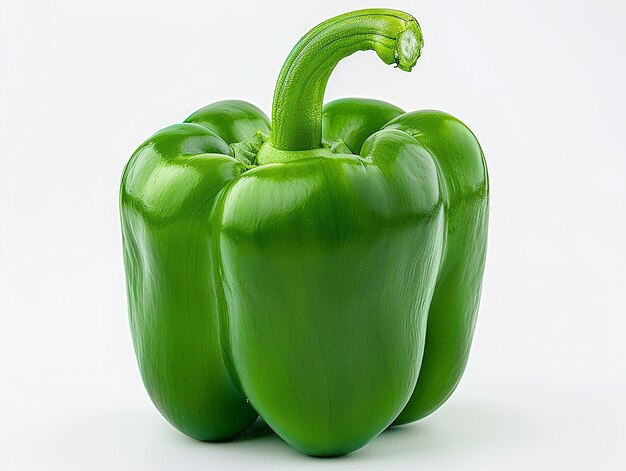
323, 272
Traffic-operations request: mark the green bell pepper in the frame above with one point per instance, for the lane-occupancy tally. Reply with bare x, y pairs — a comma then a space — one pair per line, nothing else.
323, 273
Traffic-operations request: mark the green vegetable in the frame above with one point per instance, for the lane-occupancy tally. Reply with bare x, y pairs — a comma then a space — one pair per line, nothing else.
323, 273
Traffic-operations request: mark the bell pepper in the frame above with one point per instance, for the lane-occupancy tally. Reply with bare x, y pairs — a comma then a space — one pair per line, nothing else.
324, 272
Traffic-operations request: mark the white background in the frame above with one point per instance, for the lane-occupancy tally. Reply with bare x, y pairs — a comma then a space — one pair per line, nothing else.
541, 83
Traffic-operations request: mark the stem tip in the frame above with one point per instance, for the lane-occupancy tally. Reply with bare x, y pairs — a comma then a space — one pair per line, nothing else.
409, 47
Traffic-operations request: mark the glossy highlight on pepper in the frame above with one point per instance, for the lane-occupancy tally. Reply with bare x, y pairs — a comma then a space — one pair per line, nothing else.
322, 272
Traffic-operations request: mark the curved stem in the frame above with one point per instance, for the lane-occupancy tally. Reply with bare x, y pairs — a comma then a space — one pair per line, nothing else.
297, 108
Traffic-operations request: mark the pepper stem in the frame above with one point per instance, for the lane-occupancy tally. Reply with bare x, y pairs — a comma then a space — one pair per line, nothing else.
297, 108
